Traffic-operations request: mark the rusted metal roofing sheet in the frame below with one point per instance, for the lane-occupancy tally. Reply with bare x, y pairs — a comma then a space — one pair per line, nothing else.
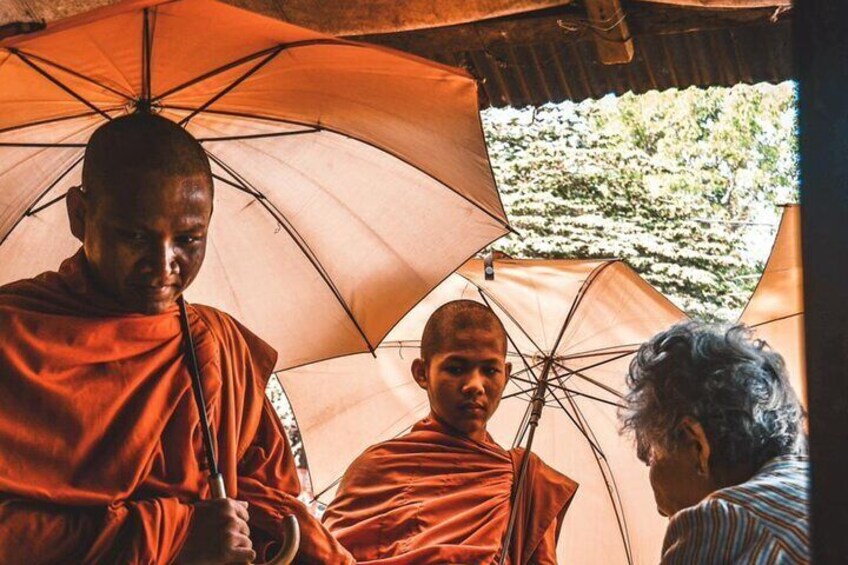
551, 56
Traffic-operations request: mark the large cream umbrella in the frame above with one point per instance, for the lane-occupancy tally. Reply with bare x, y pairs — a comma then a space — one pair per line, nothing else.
776, 309
350, 179
584, 318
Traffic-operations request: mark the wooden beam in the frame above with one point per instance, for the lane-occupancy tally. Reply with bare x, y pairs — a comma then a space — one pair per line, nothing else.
612, 35
565, 25
821, 58
724, 4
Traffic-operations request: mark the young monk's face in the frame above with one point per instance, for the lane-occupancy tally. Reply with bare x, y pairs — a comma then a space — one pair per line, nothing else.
465, 380
145, 239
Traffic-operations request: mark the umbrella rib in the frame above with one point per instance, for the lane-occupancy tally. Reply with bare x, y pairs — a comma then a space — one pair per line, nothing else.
597, 383
301, 244
59, 83
584, 288
246, 59
618, 356
500, 221
32, 210
77, 74
146, 47
42, 145
485, 296
268, 58
579, 427
773, 320
518, 393
40, 196
233, 184
257, 135
612, 489
51, 121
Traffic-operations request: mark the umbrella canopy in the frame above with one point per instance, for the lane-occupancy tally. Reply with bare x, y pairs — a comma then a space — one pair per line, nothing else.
603, 311
350, 179
776, 309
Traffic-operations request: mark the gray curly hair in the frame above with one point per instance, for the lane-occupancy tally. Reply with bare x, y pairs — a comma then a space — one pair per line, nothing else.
736, 388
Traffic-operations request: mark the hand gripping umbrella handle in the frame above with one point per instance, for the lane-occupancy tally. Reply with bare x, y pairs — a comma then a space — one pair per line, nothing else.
291, 529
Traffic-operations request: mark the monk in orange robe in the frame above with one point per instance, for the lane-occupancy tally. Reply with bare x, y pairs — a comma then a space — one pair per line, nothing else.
442, 493
101, 456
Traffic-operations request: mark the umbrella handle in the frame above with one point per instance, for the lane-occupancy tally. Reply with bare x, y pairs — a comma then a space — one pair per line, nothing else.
291, 528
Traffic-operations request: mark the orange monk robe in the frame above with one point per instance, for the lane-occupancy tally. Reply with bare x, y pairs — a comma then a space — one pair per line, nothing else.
430, 497
101, 453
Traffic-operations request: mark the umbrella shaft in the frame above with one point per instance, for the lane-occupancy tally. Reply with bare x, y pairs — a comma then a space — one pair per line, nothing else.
538, 403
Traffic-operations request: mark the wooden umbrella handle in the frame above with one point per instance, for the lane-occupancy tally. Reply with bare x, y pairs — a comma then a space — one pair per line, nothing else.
291, 528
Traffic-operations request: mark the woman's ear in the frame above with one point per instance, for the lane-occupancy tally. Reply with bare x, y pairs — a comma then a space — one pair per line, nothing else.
77, 206
419, 372
696, 439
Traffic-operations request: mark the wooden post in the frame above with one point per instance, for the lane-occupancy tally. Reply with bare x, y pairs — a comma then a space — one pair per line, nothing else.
821, 49
612, 35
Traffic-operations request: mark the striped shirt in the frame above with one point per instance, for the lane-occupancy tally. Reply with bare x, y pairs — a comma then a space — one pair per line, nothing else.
761, 521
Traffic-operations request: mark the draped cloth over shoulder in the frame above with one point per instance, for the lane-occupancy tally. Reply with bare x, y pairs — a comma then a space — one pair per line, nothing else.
433, 497
101, 443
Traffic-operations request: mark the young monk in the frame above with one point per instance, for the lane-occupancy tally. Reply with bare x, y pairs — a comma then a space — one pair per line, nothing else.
101, 457
441, 493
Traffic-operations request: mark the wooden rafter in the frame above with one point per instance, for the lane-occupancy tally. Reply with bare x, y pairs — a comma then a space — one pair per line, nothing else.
612, 35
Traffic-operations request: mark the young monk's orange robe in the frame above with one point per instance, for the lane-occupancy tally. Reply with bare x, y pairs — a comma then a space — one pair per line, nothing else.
100, 443
431, 497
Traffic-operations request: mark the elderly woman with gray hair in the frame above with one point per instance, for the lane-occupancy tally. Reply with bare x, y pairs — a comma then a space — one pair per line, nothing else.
716, 420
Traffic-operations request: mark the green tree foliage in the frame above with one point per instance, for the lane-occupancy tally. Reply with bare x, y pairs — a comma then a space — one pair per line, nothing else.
683, 185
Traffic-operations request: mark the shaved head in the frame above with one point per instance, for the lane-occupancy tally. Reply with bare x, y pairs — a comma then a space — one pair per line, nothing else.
140, 142
143, 212
455, 317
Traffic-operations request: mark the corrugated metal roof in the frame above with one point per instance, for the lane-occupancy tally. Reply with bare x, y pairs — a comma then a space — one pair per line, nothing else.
674, 48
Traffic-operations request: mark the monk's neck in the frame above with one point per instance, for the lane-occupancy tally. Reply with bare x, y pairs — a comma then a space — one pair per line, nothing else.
479, 435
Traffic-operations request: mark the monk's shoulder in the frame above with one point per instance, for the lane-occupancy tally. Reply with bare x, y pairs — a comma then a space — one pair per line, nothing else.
548, 478
233, 338
223, 326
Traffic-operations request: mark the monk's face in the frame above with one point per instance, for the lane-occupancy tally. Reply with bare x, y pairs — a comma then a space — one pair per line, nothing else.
465, 380
144, 235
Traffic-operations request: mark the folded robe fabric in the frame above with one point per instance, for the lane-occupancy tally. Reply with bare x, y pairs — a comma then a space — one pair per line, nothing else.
432, 497
101, 452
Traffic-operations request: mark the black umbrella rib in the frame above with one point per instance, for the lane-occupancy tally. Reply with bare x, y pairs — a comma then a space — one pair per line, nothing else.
595, 382
59, 83
235, 185
773, 320
560, 364
612, 489
257, 135
486, 297
301, 244
51, 121
76, 74
250, 57
577, 425
41, 145
268, 58
32, 211
146, 54
29, 212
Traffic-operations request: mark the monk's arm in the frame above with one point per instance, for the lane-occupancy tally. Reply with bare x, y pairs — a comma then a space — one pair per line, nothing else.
268, 482
148, 531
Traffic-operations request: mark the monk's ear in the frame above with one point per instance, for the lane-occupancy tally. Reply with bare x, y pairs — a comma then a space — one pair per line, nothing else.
696, 443
419, 372
508, 370
77, 209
